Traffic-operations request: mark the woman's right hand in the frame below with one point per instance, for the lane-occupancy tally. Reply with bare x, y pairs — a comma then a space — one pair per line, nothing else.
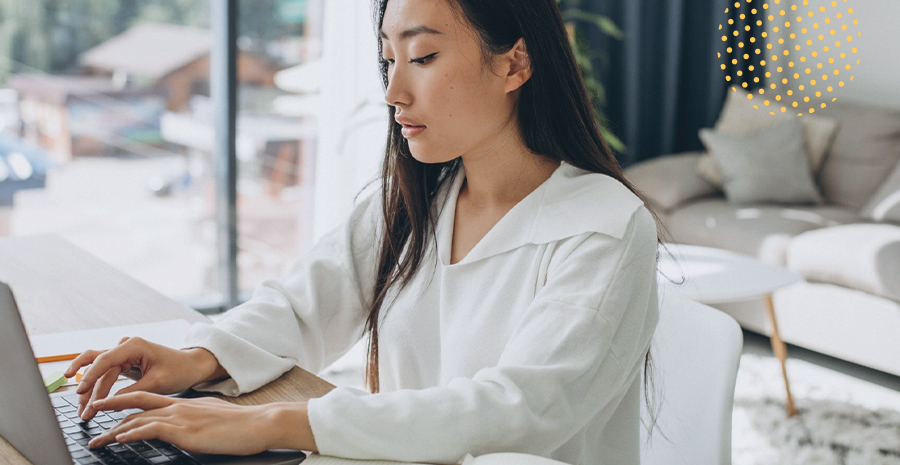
157, 368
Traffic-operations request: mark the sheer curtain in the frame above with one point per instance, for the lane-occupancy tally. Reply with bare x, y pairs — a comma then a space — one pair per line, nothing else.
353, 114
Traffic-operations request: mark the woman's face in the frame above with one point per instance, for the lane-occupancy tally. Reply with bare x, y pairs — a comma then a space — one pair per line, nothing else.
450, 103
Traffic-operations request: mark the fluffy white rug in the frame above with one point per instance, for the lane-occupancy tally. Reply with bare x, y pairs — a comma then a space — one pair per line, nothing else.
842, 420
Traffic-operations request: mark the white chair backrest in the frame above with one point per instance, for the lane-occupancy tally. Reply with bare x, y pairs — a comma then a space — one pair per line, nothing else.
695, 355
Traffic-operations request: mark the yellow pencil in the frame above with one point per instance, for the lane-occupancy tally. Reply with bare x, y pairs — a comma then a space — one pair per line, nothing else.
57, 358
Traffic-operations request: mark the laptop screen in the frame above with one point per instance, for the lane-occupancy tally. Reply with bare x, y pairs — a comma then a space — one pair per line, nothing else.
27, 420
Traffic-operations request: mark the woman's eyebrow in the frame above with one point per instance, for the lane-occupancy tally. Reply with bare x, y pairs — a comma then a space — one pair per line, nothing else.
412, 32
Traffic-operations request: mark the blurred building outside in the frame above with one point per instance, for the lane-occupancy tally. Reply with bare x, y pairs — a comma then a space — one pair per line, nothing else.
73, 116
172, 58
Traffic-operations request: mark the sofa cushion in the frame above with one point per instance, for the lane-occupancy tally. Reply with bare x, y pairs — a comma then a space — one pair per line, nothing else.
769, 165
739, 117
670, 180
866, 146
864, 257
763, 231
885, 204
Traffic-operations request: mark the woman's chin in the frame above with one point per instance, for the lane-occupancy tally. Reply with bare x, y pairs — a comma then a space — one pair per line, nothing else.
428, 157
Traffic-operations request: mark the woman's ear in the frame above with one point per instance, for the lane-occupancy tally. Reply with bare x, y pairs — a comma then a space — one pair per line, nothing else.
519, 69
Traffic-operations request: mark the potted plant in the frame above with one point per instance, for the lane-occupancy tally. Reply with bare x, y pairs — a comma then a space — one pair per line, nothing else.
575, 16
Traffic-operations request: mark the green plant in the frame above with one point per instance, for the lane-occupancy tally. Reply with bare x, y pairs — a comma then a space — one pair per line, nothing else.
574, 17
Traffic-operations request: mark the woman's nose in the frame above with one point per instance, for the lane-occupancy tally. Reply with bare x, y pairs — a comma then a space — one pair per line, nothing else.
396, 93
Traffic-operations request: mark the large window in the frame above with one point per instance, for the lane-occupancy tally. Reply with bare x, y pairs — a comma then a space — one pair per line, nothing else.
276, 130
107, 135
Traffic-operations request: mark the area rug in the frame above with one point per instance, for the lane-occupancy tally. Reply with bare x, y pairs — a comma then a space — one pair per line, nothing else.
841, 421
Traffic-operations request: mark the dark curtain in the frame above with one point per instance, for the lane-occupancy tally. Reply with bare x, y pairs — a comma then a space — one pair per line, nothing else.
663, 78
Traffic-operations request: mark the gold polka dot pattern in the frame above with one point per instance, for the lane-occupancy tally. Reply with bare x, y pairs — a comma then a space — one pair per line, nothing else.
809, 51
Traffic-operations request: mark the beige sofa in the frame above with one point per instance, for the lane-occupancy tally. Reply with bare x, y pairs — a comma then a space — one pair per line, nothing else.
847, 249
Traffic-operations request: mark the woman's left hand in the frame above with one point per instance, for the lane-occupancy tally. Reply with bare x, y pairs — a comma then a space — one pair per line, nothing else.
204, 425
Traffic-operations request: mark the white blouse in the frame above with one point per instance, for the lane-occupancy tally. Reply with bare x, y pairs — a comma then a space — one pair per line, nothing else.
532, 343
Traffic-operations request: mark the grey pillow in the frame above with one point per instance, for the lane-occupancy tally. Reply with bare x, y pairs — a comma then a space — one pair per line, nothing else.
769, 165
740, 115
885, 204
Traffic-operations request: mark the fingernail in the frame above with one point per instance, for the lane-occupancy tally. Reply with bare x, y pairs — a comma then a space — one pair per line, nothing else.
80, 388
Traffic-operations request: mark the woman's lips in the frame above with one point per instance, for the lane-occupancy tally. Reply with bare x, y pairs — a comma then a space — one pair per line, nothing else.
411, 131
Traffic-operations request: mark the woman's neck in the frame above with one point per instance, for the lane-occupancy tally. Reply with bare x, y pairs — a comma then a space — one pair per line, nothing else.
503, 174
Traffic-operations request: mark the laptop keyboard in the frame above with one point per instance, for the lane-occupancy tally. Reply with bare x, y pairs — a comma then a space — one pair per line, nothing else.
78, 433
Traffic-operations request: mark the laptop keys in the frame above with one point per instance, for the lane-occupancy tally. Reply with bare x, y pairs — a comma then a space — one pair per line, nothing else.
88, 461
140, 446
78, 433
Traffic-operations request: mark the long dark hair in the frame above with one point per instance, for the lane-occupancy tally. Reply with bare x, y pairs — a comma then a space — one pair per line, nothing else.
556, 120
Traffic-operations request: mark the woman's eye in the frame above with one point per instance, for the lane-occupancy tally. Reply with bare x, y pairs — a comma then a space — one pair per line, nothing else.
423, 60
386, 61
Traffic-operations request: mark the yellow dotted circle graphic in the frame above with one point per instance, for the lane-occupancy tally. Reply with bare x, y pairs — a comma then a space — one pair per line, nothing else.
792, 45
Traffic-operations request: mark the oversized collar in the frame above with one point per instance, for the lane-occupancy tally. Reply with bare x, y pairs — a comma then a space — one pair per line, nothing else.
570, 202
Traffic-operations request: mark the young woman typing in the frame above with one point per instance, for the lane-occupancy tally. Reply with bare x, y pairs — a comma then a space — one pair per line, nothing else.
505, 275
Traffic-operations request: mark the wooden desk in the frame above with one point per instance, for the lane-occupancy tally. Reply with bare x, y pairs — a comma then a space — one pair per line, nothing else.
59, 287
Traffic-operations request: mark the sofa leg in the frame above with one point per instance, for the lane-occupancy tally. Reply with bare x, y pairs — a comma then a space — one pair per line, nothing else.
780, 350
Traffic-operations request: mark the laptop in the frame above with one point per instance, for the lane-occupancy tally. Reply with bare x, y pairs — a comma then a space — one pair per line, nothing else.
46, 430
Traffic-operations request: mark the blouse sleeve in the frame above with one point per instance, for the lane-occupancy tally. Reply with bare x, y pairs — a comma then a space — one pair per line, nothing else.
309, 317
571, 360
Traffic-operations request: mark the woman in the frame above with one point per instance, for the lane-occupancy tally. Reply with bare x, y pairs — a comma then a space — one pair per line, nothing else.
508, 265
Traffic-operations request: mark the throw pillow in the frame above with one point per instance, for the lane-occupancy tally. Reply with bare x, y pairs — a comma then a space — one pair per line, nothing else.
769, 165
670, 180
864, 152
864, 257
885, 204
739, 117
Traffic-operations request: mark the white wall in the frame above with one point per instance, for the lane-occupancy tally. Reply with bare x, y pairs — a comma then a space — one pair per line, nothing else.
876, 79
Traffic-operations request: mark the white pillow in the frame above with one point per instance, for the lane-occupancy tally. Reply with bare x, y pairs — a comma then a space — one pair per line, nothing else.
885, 204
862, 256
